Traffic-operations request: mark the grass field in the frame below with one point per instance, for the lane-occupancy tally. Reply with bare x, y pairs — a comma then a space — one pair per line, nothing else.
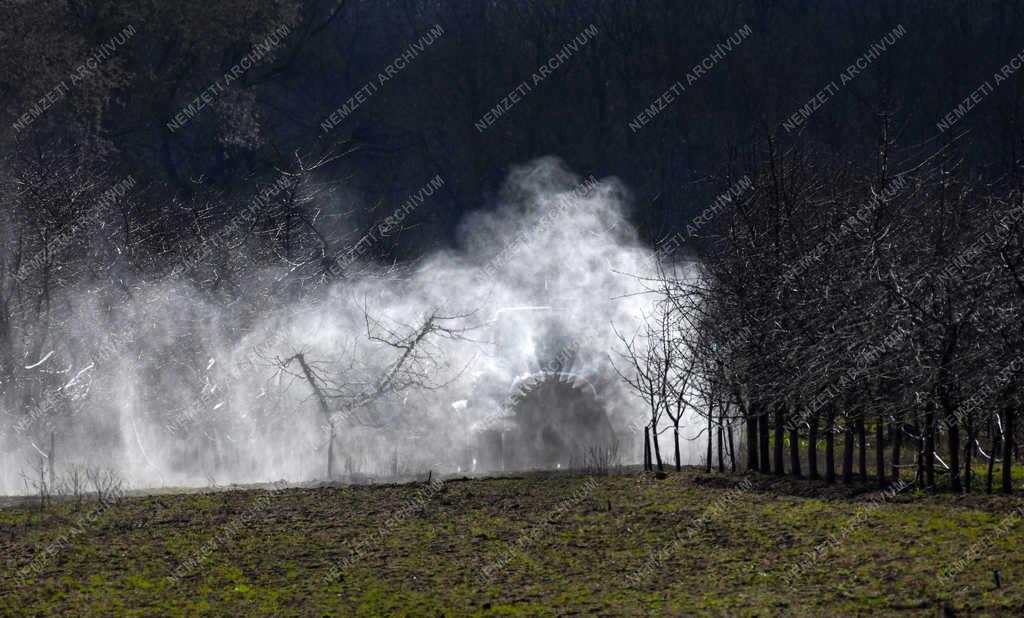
540, 545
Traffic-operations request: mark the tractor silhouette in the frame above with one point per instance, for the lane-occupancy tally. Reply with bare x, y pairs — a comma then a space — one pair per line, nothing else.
548, 415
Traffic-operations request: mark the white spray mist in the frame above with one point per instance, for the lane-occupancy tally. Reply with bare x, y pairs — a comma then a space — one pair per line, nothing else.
177, 390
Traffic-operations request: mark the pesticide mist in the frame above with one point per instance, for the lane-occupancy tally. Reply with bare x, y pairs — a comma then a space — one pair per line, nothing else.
172, 388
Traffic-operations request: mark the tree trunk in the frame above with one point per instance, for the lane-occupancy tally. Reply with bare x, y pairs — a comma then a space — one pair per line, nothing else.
762, 448
992, 455
711, 434
920, 458
830, 450
896, 435
968, 452
953, 433
794, 452
848, 451
812, 447
880, 449
778, 465
647, 449
732, 451
752, 441
1008, 414
929, 445
325, 409
675, 439
862, 446
721, 440
657, 447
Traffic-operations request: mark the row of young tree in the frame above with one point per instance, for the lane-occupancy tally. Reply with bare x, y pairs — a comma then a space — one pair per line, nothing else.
877, 310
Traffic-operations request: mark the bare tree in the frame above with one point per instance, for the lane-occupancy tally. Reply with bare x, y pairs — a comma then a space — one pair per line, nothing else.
647, 369
355, 394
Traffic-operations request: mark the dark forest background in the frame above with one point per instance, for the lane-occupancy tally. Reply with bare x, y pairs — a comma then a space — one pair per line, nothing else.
421, 122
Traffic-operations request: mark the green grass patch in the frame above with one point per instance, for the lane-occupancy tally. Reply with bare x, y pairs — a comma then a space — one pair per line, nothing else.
541, 545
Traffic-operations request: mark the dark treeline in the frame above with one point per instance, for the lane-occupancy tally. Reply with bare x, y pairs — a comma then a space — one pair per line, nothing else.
855, 321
